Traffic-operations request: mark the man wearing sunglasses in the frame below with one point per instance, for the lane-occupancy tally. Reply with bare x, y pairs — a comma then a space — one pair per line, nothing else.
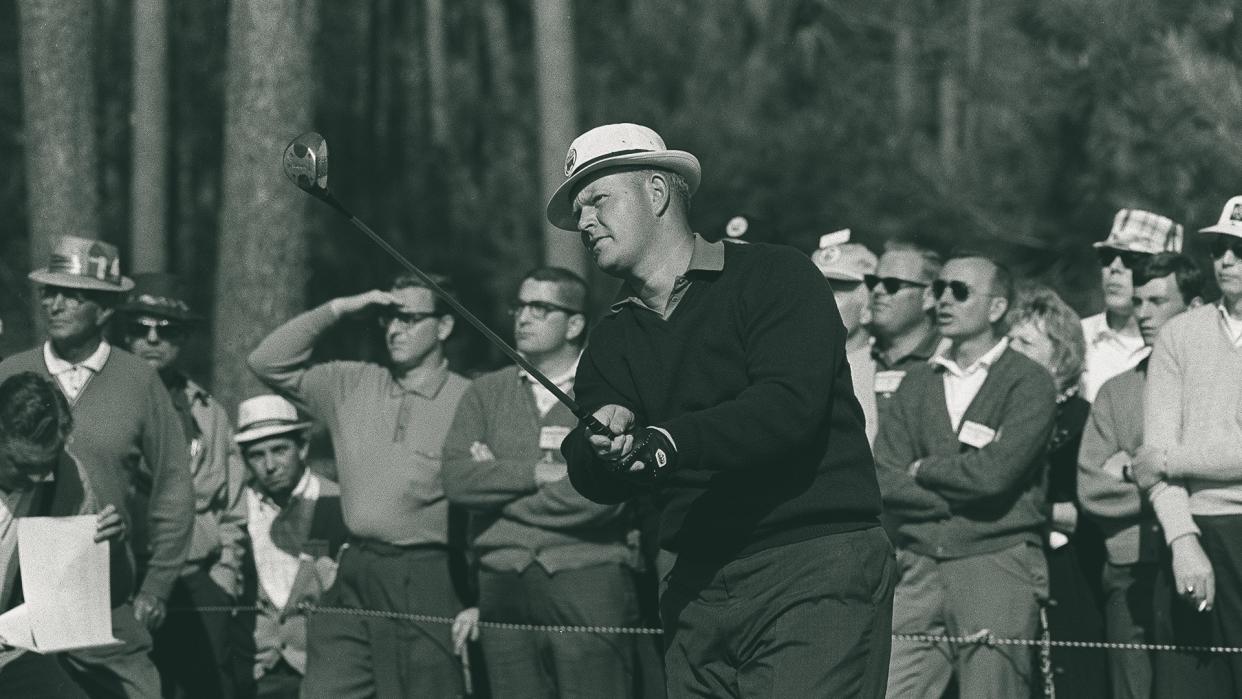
901, 313
960, 456
128, 437
546, 554
1114, 343
388, 423
194, 652
1191, 459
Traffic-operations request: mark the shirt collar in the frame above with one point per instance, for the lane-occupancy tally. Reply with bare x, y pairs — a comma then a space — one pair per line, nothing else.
306, 489
704, 257
95, 362
428, 385
982, 363
927, 348
1098, 329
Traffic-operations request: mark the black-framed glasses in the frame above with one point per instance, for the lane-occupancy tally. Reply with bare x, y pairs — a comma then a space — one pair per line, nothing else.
960, 290
405, 318
1129, 258
1225, 243
164, 329
539, 309
891, 284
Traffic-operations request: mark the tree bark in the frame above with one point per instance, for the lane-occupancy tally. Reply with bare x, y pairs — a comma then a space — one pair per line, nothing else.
149, 117
558, 119
261, 275
437, 71
905, 67
971, 113
950, 118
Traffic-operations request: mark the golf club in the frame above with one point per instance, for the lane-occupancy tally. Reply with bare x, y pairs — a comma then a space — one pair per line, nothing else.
306, 163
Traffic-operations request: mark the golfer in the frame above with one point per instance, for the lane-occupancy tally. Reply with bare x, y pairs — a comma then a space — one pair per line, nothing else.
721, 374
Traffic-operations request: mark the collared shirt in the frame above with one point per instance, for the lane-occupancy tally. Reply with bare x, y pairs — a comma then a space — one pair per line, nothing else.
278, 568
1232, 326
705, 257
962, 385
1109, 352
74, 377
929, 347
544, 400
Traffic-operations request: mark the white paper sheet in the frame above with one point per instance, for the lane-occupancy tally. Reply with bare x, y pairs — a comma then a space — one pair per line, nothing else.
15, 628
65, 583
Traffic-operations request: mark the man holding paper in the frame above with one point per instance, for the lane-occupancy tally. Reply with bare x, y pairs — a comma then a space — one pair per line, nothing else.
38, 478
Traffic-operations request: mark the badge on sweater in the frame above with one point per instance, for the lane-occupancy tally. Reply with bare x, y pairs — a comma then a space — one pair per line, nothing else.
888, 381
550, 437
976, 435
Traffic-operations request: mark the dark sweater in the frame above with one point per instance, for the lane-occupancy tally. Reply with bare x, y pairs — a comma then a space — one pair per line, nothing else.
749, 376
967, 500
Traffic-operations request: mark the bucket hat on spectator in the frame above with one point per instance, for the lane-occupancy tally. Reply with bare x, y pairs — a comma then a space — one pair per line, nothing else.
161, 295
266, 416
1135, 230
1230, 222
839, 259
83, 263
611, 146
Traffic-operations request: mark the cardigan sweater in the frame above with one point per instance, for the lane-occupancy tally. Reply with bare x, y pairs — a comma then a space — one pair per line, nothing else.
129, 439
748, 374
1193, 409
519, 521
967, 500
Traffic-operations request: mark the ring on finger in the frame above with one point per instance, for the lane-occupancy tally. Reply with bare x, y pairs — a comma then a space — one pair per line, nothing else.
1190, 590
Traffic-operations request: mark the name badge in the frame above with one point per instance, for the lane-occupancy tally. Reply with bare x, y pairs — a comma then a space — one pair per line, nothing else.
888, 381
976, 435
550, 437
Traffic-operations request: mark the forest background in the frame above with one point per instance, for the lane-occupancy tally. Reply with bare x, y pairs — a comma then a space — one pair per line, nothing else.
1017, 126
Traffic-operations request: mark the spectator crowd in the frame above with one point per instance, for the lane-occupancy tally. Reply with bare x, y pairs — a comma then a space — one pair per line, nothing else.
1039, 473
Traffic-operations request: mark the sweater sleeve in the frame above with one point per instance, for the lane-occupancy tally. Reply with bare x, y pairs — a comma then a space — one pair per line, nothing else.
794, 344
232, 507
1162, 429
283, 362
1100, 492
171, 512
480, 485
896, 448
1026, 418
588, 473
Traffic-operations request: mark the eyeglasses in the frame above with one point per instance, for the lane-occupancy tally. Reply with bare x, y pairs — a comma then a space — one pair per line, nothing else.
891, 284
539, 309
404, 318
961, 291
1225, 243
1129, 258
164, 329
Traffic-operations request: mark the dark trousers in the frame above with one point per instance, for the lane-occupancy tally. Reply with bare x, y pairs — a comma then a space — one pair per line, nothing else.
203, 654
1074, 614
524, 664
118, 672
808, 619
1129, 612
352, 656
281, 682
35, 675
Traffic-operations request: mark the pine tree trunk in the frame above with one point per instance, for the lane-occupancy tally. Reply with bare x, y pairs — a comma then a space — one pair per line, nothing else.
905, 67
148, 187
437, 71
261, 274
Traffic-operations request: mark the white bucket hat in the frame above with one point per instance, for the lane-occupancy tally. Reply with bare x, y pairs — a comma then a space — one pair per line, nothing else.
615, 145
266, 416
1230, 222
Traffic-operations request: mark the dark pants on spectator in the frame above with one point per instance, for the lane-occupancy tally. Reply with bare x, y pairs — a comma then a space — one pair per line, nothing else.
1129, 613
539, 664
352, 656
280, 682
807, 619
34, 675
118, 672
1074, 614
203, 654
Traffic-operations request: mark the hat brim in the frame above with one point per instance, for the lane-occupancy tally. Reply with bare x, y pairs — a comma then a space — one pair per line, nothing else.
560, 209
247, 436
1223, 230
841, 275
75, 281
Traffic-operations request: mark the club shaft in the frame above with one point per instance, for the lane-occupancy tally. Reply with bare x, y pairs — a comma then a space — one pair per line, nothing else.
592, 424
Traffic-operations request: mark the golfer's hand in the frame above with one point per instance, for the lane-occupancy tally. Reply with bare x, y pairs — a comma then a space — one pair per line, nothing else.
109, 526
619, 422
347, 305
465, 628
1192, 572
149, 610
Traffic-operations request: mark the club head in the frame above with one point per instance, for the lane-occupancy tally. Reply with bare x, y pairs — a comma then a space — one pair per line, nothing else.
306, 162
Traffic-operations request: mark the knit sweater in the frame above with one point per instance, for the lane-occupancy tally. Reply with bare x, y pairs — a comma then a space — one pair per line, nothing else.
520, 521
1193, 410
967, 500
129, 439
749, 376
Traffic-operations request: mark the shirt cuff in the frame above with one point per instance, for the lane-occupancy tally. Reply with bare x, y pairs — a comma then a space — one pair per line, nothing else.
1172, 506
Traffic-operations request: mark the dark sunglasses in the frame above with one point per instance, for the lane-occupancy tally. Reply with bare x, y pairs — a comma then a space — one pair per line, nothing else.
539, 309
406, 319
1225, 243
164, 329
1129, 258
960, 290
891, 284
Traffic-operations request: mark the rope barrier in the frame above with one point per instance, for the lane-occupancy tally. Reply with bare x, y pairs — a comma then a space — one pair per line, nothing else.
976, 640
